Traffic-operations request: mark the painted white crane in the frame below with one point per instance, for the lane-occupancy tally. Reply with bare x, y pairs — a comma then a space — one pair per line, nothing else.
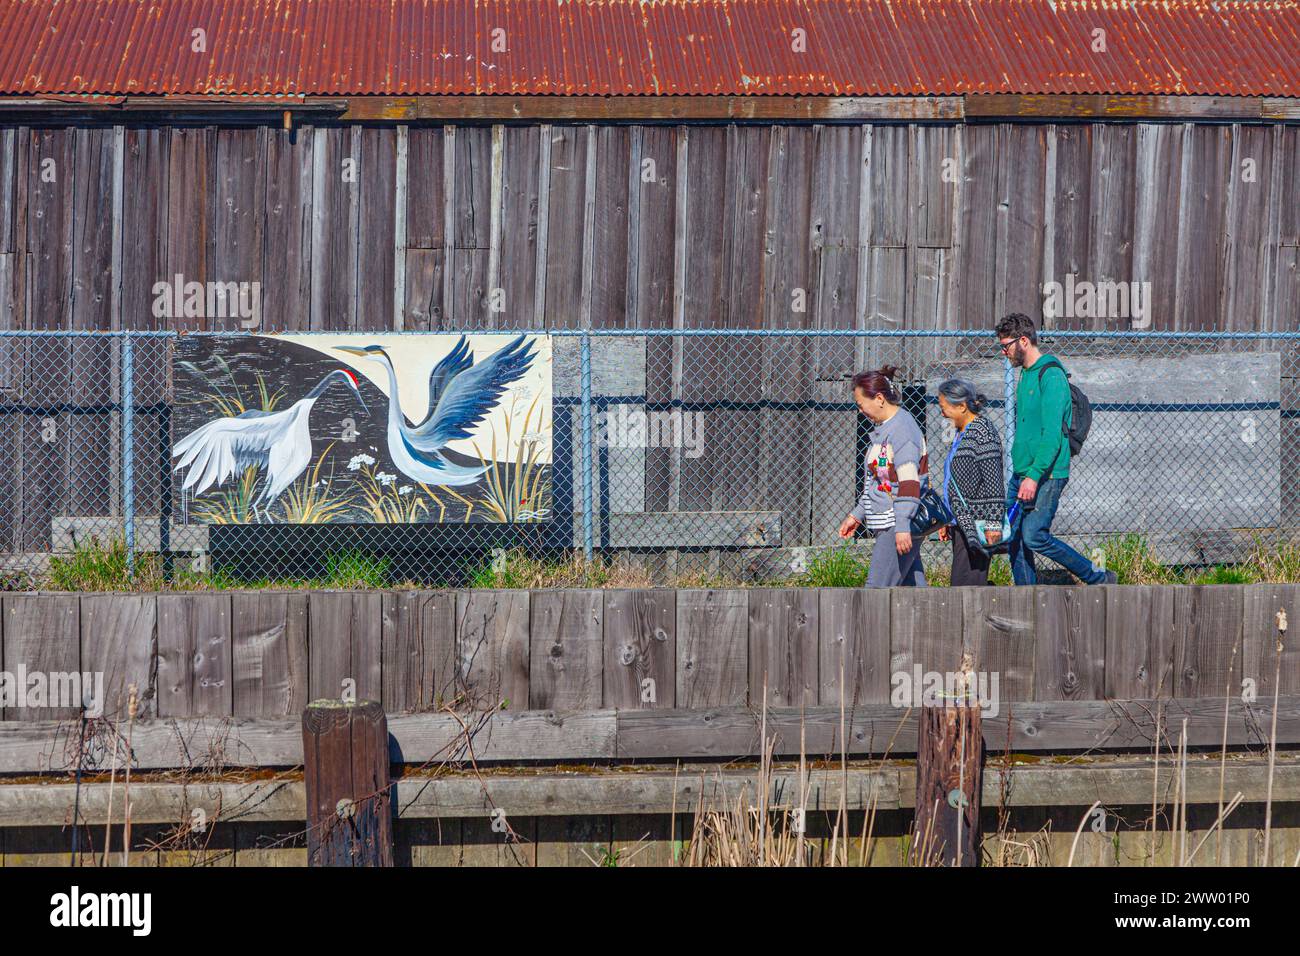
461, 394
276, 443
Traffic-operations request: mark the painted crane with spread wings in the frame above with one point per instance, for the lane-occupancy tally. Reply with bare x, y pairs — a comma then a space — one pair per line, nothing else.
461, 394
278, 444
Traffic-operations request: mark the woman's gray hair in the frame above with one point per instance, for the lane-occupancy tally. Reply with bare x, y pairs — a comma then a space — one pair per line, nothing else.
958, 391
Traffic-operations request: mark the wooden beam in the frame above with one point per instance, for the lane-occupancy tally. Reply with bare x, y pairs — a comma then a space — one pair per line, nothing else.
1119, 781
1124, 107
349, 810
671, 108
1043, 726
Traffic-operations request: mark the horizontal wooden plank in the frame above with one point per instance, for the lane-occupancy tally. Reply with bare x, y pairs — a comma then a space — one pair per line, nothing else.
208, 743
214, 743
659, 790
1037, 726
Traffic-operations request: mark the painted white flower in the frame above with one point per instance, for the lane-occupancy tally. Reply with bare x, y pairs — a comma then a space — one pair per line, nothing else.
384, 478
358, 460
405, 490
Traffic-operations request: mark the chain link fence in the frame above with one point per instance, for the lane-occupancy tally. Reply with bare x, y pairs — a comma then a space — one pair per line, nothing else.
683, 453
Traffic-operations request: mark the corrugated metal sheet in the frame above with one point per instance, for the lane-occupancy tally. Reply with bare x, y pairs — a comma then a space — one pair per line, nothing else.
603, 47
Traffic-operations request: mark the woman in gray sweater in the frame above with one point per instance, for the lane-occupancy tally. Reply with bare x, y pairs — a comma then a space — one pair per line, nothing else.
973, 486
897, 470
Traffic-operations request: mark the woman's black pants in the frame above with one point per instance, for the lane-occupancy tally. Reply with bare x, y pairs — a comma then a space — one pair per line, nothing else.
970, 565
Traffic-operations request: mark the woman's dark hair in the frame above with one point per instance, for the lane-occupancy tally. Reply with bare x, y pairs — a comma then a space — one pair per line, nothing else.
961, 392
879, 382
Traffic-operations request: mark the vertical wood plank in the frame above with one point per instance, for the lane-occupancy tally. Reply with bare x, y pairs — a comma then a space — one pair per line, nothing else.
269, 653
119, 638
609, 279
42, 633
854, 626
566, 650
399, 230
1140, 641
712, 648
419, 649
640, 648
344, 632
194, 656
1257, 659
287, 249
492, 648
566, 218
1208, 619
783, 646
239, 215
998, 625
520, 230
927, 629
1070, 658
375, 202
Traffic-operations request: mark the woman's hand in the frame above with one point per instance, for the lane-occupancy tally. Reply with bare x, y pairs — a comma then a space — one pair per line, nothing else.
848, 526
994, 535
903, 541
943, 533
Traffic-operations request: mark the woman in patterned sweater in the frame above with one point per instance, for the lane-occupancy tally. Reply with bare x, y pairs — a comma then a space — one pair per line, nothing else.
974, 465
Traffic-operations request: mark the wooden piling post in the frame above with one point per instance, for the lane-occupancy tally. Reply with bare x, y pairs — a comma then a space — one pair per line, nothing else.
345, 763
949, 779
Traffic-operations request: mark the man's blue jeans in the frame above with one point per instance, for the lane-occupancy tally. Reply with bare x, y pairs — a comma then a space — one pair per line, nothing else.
1032, 535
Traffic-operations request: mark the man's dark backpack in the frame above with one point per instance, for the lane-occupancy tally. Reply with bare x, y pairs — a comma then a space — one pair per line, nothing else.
1080, 410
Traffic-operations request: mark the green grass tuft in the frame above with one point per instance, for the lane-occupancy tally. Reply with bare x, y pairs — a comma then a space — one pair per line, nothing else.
835, 568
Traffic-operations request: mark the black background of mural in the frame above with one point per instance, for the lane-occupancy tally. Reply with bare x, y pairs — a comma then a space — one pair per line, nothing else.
297, 369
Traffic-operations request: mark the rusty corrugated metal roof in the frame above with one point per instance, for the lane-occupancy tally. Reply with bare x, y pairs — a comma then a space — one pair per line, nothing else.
621, 47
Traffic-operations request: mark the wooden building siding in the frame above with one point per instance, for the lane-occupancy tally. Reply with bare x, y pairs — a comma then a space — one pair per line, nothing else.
880, 225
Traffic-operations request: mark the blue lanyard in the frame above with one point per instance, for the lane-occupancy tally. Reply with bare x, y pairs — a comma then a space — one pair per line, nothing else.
947, 466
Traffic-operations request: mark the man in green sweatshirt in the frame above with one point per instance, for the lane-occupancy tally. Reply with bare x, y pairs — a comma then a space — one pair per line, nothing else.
1040, 456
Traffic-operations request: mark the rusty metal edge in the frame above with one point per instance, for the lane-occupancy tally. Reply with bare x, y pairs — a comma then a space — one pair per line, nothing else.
971, 107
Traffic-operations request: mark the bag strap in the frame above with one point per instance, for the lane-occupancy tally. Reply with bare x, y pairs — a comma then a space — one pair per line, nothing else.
1052, 362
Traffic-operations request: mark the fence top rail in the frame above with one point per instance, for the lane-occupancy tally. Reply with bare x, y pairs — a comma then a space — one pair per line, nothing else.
1050, 334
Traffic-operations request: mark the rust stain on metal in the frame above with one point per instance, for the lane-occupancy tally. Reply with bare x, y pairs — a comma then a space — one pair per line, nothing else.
845, 48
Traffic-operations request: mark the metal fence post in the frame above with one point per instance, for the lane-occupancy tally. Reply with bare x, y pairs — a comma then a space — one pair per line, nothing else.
1009, 415
586, 446
128, 447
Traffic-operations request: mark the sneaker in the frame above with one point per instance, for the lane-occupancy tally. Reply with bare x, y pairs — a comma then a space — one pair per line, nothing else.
1110, 578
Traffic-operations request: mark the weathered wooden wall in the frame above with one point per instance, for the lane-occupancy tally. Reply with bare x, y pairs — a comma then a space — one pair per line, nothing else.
877, 226
251, 654
881, 225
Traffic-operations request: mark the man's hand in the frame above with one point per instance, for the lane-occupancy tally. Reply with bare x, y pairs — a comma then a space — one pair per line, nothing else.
943, 533
994, 535
848, 526
1028, 489
903, 541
